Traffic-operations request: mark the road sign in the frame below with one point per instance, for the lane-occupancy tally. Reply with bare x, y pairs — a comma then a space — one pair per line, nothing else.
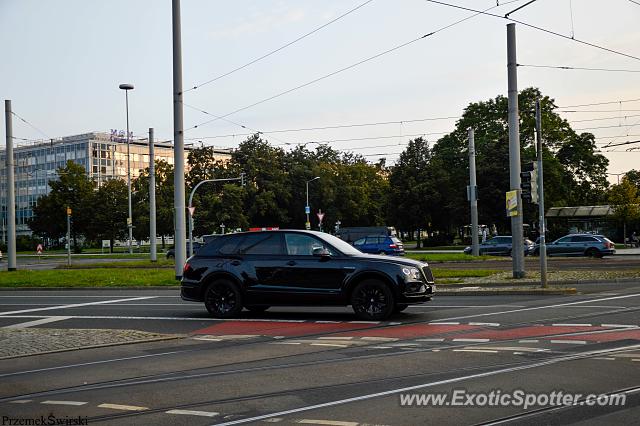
307, 209
39, 249
106, 243
191, 210
320, 215
512, 203
129, 222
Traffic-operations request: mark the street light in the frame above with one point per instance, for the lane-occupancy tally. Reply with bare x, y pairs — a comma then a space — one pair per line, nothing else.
126, 87
307, 209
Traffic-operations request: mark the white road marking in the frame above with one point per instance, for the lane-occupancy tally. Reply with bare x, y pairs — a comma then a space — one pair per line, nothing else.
570, 342
638, 360
364, 322
335, 338
286, 343
444, 323
327, 322
572, 325
535, 308
36, 322
21, 401
400, 345
326, 422
77, 403
380, 347
470, 288
207, 338
465, 306
329, 344
123, 407
394, 323
472, 340
488, 324
194, 413
429, 340
618, 325
75, 305
605, 358
529, 341
511, 348
552, 361
483, 351
380, 339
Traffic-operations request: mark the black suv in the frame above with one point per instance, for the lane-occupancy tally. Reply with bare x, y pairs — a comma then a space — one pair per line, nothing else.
256, 270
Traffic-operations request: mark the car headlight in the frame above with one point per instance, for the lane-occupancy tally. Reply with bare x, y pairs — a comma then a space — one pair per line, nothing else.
413, 273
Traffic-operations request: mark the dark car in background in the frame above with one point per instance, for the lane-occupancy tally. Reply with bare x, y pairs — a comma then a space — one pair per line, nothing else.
379, 244
171, 253
354, 233
500, 246
256, 270
591, 245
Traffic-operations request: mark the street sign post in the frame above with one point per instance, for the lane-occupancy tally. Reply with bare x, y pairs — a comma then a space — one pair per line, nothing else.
39, 251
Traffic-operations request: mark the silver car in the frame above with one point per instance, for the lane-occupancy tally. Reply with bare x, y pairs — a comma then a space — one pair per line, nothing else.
579, 245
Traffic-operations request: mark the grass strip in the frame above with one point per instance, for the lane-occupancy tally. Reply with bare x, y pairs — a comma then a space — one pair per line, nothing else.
451, 257
161, 263
117, 277
462, 273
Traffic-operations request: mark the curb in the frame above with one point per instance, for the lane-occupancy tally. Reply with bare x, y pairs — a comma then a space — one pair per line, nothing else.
155, 339
537, 283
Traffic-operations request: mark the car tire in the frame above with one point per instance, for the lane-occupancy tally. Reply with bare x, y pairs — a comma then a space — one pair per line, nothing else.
170, 256
223, 299
372, 300
258, 309
399, 307
593, 252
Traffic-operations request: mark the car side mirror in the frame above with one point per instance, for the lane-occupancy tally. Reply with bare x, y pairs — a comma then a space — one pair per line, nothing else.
321, 252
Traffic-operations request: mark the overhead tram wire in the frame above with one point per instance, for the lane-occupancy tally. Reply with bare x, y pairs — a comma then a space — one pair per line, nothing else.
331, 127
30, 125
279, 48
535, 27
601, 103
558, 67
393, 49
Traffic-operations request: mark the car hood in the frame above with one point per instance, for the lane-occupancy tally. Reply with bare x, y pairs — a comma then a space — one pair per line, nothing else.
392, 259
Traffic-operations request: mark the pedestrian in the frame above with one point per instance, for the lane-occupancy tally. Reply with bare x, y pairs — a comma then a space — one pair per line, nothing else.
484, 234
634, 240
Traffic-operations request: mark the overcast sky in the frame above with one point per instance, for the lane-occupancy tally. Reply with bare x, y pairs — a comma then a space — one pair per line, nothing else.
62, 62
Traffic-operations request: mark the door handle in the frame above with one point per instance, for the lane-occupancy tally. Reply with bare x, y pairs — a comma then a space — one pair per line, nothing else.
291, 263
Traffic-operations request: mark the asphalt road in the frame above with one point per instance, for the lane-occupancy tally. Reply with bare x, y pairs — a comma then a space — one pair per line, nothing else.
320, 366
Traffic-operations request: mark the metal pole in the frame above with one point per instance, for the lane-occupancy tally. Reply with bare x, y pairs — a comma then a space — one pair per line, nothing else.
543, 226
473, 191
190, 231
307, 208
130, 220
68, 237
152, 199
11, 194
517, 246
178, 143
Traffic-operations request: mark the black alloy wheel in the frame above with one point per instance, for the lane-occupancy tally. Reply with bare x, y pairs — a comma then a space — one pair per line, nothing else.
593, 252
257, 308
223, 299
372, 300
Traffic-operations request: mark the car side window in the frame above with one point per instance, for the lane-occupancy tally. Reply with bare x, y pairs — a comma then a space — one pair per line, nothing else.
261, 243
303, 245
373, 240
564, 240
224, 245
359, 242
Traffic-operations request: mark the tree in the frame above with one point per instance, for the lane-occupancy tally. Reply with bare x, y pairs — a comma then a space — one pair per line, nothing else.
74, 190
164, 202
109, 212
625, 203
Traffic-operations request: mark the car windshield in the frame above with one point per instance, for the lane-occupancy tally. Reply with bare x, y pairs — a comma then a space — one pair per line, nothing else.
339, 244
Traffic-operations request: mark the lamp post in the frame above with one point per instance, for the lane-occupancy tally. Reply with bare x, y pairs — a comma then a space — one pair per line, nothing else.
307, 209
126, 87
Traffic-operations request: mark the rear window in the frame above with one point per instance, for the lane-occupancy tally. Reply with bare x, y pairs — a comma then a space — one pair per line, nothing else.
396, 240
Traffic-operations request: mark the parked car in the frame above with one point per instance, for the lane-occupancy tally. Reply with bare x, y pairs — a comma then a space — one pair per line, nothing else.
256, 270
578, 245
171, 253
500, 246
354, 233
377, 244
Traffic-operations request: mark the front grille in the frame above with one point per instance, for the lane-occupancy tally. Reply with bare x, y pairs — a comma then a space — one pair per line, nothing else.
427, 273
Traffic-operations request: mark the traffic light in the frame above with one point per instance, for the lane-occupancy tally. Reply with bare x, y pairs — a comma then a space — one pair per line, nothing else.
529, 182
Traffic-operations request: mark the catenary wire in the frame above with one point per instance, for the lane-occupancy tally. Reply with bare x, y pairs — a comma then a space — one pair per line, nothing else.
370, 58
559, 67
279, 48
31, 125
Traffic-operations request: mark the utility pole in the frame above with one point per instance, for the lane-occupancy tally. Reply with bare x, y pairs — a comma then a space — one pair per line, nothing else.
68, 236
178, 144
542, 225
517, 240
11, 194
152, 199
473, 195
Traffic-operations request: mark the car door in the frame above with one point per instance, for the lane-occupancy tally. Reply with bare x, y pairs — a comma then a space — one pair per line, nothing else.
313, 274
560, 247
